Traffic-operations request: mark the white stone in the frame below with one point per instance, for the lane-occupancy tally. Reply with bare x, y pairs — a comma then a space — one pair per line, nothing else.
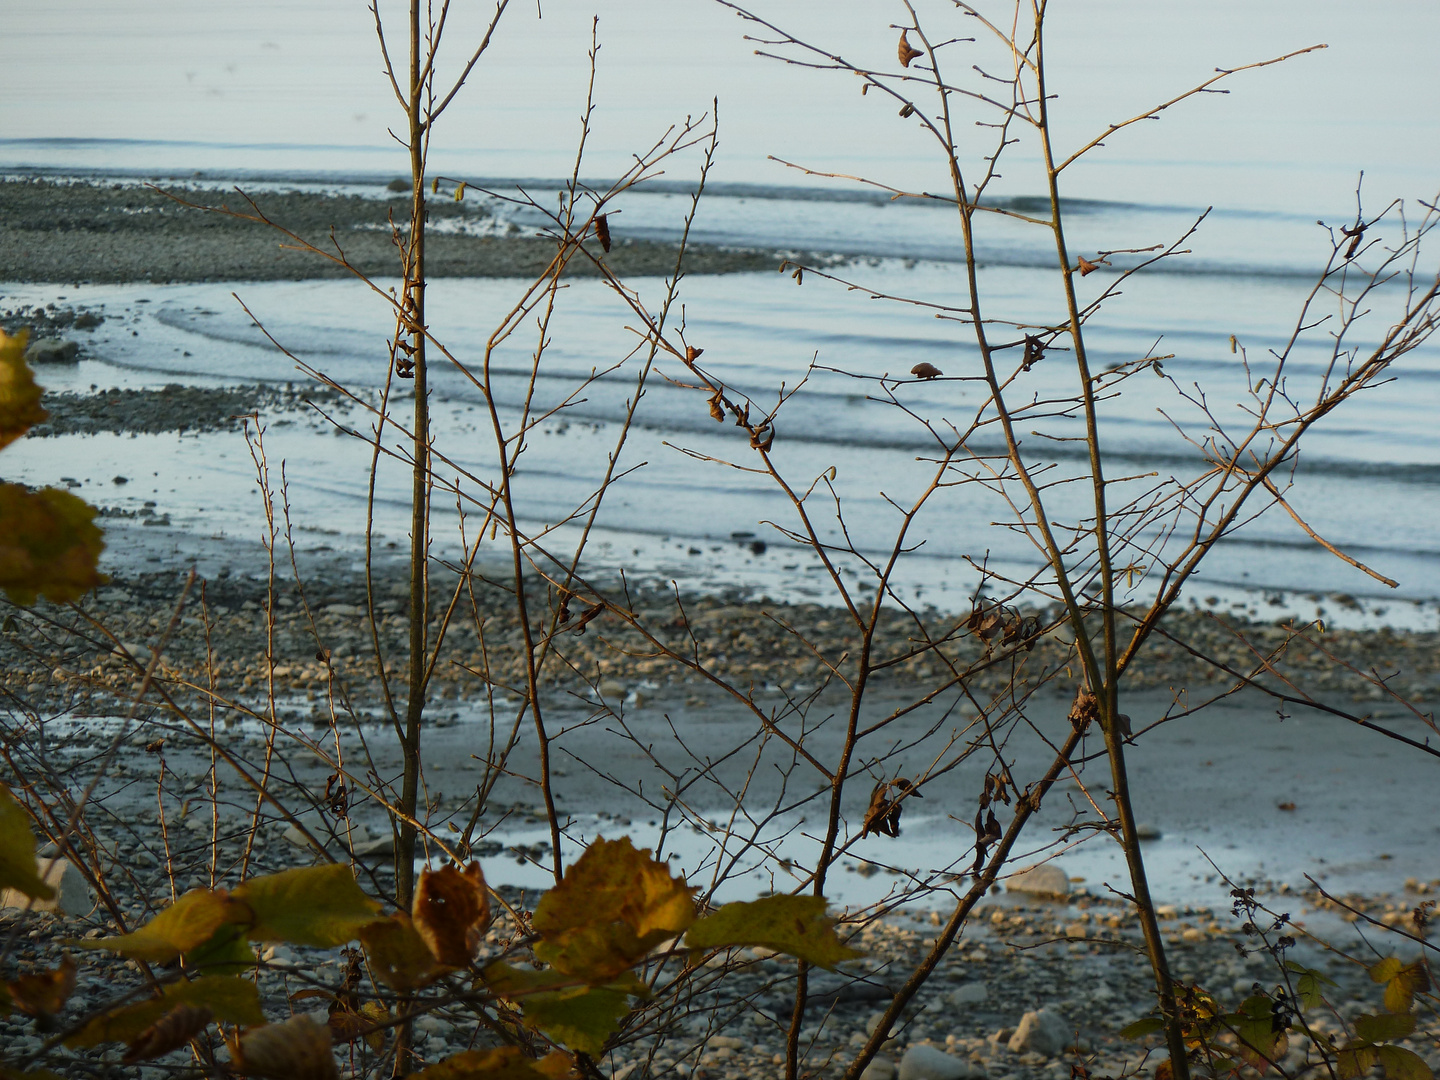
922, 1062
1046, 880
970, 993
72, 894
880, 1068
1043, 1032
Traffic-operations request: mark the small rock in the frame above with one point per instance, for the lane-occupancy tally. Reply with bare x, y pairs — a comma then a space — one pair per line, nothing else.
1147, 832
399, 184
880, 1068
52, 351
923, 1062
88, 320
1192, 936
72, 895
1046, 880
613, 688
971, 993
1042, 1032
348, 610
139, 653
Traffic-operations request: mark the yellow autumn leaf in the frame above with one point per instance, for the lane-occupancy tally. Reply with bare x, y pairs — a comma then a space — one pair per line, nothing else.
17, 850
185, 925
614, 905
49, 545
19, 396
796, 925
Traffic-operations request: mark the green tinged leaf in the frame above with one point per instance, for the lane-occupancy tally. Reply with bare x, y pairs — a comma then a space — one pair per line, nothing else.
227, 953
1384, 1027
17, 850
503, 1063
1308, 984
614, 905
232, 1000
321, 906
582, 1017
795, 925
1146, 1025
1402, 1064
49, 545
186, 924
1355, 1061
1261, 1041
1400, 991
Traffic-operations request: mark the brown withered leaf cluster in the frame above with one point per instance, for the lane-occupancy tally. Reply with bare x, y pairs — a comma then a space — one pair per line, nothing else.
987, 825
925, 370
996, 623
883, 815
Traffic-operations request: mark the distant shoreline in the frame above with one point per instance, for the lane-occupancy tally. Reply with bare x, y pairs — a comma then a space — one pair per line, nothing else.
109, 232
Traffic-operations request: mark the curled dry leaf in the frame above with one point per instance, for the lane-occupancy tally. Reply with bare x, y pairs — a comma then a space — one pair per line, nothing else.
692, 354
43, 994
298, 1049
762, 438
19, 396
883, 816
452, 912
172, 1031
717, 410
926, 371
399, 956
1086, 266
1083, 709
602, 231
906, 52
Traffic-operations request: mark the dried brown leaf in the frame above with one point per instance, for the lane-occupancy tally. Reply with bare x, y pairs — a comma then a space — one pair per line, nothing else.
906, 52
452, 912
172, 1031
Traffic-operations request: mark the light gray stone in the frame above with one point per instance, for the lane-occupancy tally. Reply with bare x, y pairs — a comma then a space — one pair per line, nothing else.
922, 1062
880, 1068
1043, 1032
970, 993
72, 894
1046, 880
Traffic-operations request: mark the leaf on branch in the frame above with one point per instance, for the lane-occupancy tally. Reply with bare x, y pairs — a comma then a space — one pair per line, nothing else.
346, 1025
398, 954
451, 913
17, 850
907, 53
692, 354
1356, 1061
1402, 1064
502, 1063
321, 906
229, 999
1263, 1040
717, 408
1146, 1025
49, 545
298, 1049
460, 191
926, 370
794, 925
1383, 1027
1308, 984
19, 396
43, 994
883, 815
614, 905
186, 924
172, 1031
580, 1016
1402, 982
602, 231
1086, 267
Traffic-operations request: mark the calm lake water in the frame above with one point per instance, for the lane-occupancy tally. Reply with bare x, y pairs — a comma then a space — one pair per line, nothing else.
274, 94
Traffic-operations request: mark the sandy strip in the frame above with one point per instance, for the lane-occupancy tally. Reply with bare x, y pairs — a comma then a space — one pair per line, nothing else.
113, 232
